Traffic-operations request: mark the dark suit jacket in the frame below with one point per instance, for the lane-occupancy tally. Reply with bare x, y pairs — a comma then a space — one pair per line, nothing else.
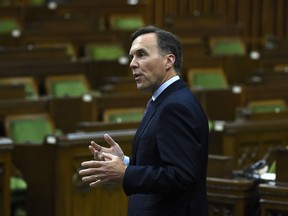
167, 171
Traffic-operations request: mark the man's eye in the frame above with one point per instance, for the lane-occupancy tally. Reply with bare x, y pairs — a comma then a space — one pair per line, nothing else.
142, 54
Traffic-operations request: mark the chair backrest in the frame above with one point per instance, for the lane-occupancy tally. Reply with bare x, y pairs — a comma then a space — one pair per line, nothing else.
123, 114
222, 46
125, 21
29, 128
7, 25
281, 68
30, 86
67, 85
106, 52
269, 105
36, 2
207, 78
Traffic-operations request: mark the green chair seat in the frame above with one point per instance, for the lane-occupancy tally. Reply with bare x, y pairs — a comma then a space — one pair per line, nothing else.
8, 25
98, 52
126, 117
228, 47
123, 114
31, 130
209, 81
17, 183
128, 23
267, 106
72, 88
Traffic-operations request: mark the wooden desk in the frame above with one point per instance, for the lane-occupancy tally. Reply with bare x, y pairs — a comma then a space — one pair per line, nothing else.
219, 104
274, 196
57, 165
273, 199
5, 174
65, 194
248, 142
231, 197
8, 92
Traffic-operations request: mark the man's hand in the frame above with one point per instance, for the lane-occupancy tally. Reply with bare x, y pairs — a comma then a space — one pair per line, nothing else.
98, 150
110, 170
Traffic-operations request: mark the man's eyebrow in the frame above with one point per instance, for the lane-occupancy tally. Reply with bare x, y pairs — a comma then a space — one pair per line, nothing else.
137, 51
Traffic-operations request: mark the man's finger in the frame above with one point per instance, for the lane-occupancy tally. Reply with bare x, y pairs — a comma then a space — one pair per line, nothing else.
109, 140
95, 146
108, 156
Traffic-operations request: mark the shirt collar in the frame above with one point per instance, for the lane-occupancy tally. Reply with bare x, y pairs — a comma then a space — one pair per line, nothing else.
164, 86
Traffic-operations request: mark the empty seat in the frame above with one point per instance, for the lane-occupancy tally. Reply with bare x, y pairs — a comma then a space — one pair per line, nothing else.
67, 85
29, 128
123, 115
30, 86
106, 52
222, 46
125, 21
269, 105
207, 78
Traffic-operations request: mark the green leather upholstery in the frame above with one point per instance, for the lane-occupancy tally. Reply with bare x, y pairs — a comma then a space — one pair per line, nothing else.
8, 24
126, 117
32, 130
266, 106
128, 23
72, 88
209, 80
99, 52
228, 47
123, 115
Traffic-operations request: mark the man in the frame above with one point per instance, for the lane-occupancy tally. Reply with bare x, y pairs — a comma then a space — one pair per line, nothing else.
166, 174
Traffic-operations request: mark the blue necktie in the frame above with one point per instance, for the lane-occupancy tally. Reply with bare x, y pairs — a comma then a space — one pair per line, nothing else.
149, 107
148, 111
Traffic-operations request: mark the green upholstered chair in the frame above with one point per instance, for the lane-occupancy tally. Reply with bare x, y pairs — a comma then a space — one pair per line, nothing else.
227, 46
125, 21
7, 25
29, 128
30, 86
67, 85
36, 2
266, 106
106, 52
123, 115
207, 78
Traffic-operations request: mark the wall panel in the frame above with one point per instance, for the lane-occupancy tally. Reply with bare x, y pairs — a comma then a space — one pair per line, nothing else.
260, 17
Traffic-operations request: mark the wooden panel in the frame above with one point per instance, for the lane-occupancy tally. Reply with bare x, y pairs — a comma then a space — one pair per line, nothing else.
12, 92
273, 199
248, 142
5, 173
64, 193
231, 197
269, 23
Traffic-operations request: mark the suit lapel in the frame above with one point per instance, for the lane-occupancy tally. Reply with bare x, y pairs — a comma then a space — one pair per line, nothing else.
150, 113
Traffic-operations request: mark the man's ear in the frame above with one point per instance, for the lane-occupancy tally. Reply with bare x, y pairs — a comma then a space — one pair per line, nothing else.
169, 61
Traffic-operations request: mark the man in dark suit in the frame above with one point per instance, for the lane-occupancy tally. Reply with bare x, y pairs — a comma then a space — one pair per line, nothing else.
166, 174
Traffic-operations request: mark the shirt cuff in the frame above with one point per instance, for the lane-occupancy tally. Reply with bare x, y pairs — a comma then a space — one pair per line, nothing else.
126, 160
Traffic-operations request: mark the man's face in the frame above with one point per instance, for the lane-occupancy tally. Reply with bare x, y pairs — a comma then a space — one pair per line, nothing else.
147, 64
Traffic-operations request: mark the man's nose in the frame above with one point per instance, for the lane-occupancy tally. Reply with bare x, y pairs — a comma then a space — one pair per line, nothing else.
133, 63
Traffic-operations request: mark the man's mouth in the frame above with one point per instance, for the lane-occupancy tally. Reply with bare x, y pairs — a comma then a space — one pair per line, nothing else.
137, 76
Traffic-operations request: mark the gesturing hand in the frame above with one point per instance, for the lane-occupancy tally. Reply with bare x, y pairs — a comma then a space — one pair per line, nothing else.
109, 171
98, 150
